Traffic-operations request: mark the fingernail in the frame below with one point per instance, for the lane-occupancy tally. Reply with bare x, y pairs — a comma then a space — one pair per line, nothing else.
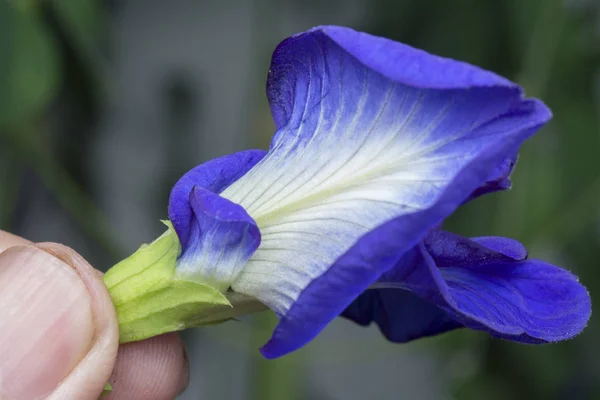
46, 322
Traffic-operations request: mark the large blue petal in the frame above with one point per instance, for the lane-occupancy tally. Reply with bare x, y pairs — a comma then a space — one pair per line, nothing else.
371, 134
491, 288
214, 176
372, 255
396, 61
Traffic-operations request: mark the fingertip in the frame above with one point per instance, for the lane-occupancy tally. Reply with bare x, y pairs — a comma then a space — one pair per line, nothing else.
152, 369
155, 368
88, 379
46, 322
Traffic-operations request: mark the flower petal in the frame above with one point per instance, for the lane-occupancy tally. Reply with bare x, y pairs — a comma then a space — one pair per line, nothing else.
449, 249
499, 180
222, 239
520, 300
401, 315
395, 61
361, 143
509, 247
327, 295
214, 175
527, 301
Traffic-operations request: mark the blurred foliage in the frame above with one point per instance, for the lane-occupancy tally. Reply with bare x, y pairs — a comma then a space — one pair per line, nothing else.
30, 79
39, 40
49, 50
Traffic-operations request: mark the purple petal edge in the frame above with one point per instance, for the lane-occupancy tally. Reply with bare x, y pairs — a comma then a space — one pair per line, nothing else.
215, 176
399, 62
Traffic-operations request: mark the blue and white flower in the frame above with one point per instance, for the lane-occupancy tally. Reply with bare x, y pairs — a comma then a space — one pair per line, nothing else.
376, 144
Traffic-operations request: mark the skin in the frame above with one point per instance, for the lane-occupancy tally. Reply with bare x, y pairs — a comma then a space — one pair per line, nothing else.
75, 353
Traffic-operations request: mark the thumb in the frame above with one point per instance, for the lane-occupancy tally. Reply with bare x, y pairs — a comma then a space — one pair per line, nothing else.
58, 329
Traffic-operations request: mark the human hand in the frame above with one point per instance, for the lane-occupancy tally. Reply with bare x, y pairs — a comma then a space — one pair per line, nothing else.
59, 335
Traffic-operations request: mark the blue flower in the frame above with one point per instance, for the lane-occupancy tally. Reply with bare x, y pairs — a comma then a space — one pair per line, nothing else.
482, 283
376, 144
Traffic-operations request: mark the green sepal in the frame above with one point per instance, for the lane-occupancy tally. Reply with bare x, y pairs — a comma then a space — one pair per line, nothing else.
107, 390
150, 301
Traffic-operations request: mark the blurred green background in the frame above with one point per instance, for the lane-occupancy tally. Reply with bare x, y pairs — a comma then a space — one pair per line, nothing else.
103, 104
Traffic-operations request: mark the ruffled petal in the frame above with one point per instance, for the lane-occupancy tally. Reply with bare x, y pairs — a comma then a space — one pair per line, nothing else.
449, 249
222, 239
214, 176
369, 131
527, 301
509, 247
395, 61
510, 297
499, 180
